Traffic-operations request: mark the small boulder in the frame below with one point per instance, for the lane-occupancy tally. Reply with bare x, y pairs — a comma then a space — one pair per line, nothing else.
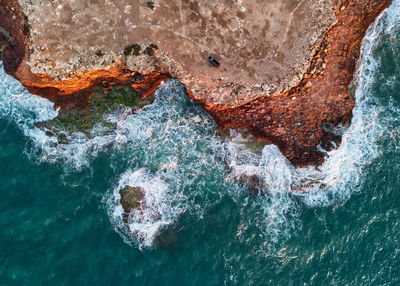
131, 198
252, 182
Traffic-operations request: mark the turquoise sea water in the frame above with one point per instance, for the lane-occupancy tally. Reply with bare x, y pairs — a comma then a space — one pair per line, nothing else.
60, 221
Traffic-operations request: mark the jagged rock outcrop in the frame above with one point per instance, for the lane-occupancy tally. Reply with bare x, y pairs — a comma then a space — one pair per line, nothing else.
76, 91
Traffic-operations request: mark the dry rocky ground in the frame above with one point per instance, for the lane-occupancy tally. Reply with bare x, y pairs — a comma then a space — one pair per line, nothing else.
264, 46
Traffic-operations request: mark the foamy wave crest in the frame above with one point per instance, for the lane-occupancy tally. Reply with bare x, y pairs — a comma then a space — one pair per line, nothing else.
280, 210
160, 208
19, 106
169, 150
270, 166
342, 172
173, 155
275, 212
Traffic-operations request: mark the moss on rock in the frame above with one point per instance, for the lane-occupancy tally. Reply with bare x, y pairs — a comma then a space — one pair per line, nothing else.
153, 46
150, 4
99, 53
224, 133
73, 120
149, 51
133, 50
131, 198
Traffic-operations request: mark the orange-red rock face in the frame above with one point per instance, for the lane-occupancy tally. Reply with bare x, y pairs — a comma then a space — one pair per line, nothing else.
76, 91
291, 120
73, 92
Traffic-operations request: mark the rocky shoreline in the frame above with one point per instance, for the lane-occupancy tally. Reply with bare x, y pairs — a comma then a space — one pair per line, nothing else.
300, 119
297, 120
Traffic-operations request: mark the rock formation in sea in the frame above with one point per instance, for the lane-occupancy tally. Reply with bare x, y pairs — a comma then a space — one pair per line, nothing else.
285, 70
131, 198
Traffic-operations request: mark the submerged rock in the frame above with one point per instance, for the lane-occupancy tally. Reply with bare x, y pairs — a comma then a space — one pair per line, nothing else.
167, 238
252, 182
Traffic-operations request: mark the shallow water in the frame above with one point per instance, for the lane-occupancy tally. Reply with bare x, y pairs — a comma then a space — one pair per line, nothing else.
61, 222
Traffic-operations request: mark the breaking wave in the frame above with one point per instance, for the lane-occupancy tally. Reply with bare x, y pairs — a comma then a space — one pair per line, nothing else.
24, 109
160, 209
275, 213
283, 186
342, 172
170, 150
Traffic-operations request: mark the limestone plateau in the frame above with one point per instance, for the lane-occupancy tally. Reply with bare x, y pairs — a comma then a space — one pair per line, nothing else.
285, 65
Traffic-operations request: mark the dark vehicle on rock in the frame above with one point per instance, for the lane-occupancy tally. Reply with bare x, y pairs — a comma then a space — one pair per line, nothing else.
213, 61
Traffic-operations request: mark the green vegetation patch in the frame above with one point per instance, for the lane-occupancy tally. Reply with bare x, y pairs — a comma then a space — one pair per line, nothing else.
153, 46
133, 50
72, 120
136, 50
26, 30
99, 53
149, 51
255, 145
224, 133
150, 4
251, 142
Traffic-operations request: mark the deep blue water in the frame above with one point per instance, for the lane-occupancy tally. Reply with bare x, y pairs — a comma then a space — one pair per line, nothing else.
61, 223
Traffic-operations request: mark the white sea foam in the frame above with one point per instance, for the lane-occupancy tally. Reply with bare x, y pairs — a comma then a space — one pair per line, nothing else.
167, 142
168, 154
25, 109
169, 138
274, 212
342, 172
159, 210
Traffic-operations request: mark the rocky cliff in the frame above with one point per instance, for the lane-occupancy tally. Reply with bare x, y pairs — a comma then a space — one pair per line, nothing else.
303, 113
